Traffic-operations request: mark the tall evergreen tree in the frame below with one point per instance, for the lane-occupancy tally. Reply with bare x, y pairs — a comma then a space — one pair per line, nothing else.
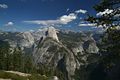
4, 55
108, 17
17, 58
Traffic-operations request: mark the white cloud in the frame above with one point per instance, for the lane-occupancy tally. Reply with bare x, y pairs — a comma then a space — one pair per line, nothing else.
87, 24
82, 22
3, 6
67, 10
65, 19
43, 22
107, 11
117, 15
9, 24
92, 25
31, 30
81, 11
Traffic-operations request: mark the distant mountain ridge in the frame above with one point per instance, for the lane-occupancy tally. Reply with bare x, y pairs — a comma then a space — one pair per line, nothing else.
63, 51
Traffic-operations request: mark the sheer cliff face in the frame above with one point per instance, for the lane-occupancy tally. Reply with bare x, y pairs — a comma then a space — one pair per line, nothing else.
67, 49
54, 54
62, 51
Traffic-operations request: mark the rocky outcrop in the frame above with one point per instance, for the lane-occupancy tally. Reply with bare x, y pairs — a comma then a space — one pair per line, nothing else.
19, 73
90, 46
27, 40
52, 33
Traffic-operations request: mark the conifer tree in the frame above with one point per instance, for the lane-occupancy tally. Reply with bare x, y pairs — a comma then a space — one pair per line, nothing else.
109, 17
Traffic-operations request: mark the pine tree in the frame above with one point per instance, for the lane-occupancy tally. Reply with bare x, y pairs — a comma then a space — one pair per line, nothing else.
4, 55
110, 46
28, 64
17, 59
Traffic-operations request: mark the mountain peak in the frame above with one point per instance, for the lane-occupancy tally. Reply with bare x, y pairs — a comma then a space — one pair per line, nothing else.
52, 33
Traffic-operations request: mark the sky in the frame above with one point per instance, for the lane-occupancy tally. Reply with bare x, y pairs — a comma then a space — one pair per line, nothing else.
29, 15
